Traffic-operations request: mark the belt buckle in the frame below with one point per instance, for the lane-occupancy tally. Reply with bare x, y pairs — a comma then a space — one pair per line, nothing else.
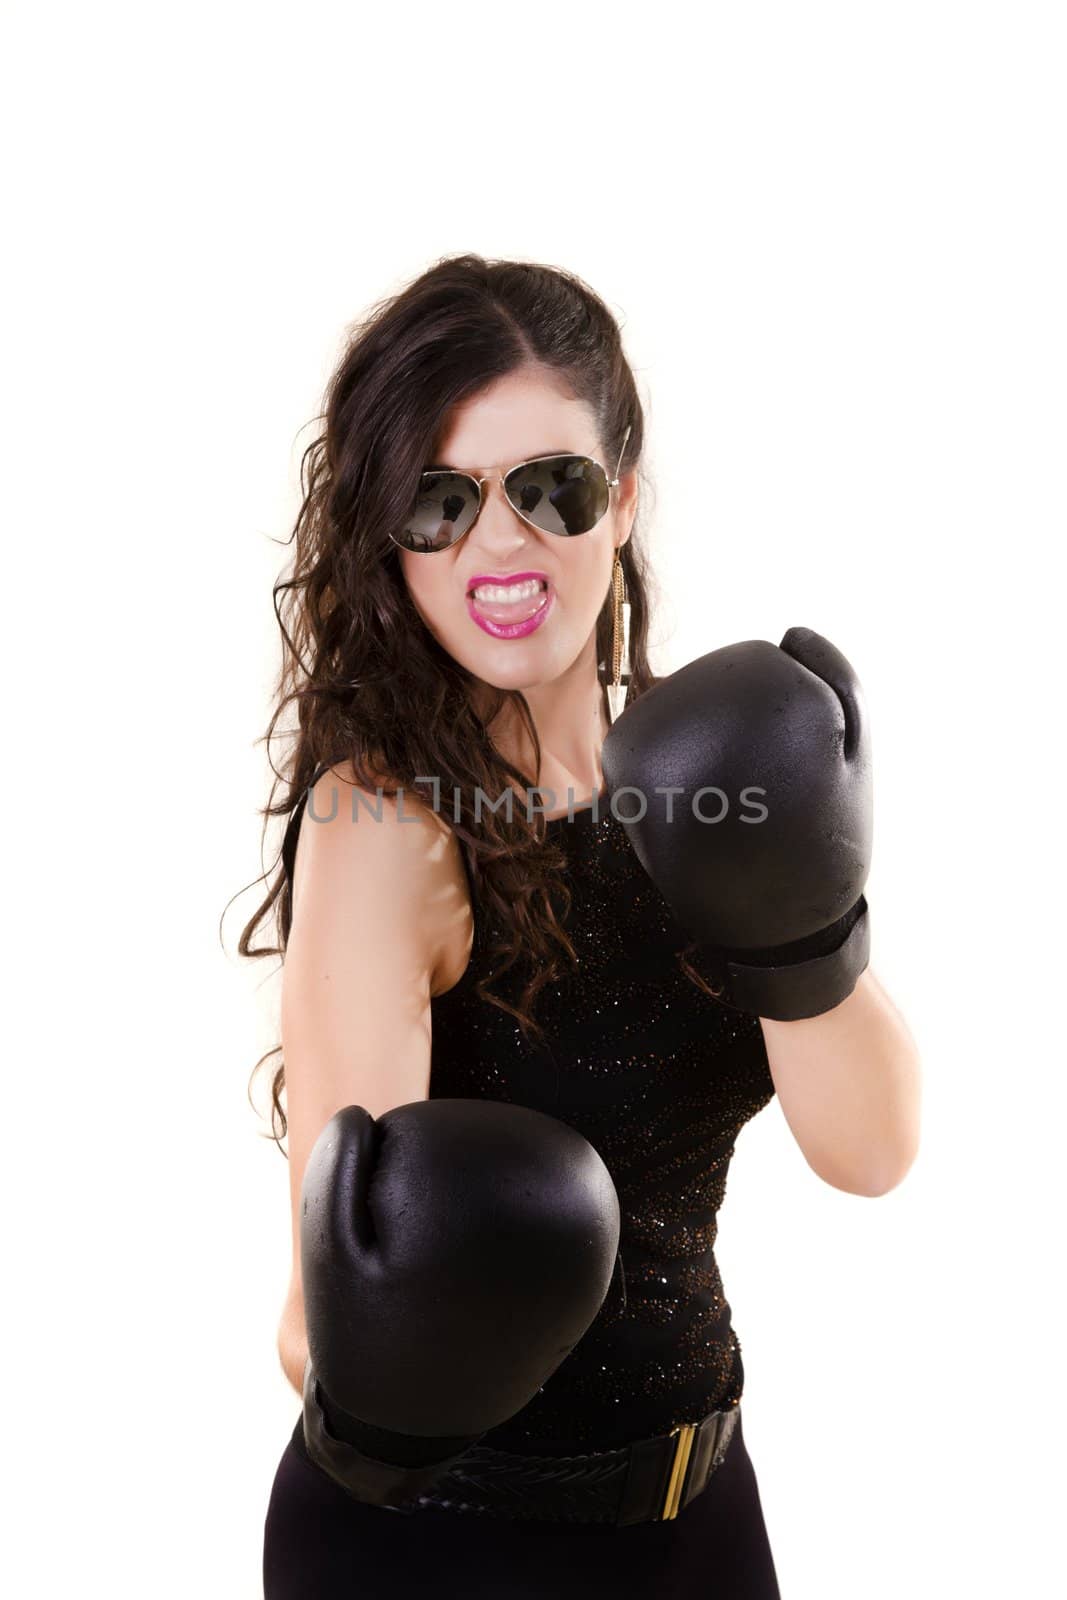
684, 1434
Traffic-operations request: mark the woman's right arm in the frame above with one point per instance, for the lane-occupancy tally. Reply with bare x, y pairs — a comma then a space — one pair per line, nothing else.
369, 899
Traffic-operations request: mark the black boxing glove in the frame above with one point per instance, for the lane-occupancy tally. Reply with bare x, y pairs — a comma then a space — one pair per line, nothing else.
774, 901
453, 1253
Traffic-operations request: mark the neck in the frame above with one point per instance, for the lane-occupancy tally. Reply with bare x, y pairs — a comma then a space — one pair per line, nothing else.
571, 717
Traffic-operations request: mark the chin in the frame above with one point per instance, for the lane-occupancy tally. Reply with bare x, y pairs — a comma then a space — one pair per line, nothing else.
496, 668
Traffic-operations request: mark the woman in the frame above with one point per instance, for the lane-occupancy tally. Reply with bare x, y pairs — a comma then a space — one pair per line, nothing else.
449, 646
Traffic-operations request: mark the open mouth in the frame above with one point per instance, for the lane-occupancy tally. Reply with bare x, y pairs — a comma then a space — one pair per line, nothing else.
508, 610
509, 602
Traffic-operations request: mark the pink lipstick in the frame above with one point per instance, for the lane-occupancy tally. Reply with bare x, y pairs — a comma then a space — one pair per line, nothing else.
511, 605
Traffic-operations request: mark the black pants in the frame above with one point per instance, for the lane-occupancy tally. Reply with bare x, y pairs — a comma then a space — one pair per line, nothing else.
319, 1543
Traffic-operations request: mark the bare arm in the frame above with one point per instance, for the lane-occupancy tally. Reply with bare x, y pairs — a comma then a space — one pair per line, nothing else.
292, 1337
849, 1085
357, 980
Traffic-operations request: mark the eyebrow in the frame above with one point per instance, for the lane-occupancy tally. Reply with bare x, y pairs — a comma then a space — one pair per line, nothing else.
450, 466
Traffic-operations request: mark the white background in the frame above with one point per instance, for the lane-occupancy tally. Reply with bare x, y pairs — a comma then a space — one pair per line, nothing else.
834, 236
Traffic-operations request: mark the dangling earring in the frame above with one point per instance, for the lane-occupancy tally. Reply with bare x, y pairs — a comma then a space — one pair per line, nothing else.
620, 646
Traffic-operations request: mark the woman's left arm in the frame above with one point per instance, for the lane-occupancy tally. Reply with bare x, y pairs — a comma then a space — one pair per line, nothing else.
849, 1085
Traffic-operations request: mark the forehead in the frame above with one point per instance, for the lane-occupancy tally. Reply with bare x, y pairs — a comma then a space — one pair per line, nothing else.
514, 420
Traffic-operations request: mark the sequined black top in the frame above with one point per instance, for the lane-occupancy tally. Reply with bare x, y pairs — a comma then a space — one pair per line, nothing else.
660, 1078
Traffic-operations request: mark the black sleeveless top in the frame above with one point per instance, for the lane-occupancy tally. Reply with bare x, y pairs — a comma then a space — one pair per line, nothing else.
660, 1078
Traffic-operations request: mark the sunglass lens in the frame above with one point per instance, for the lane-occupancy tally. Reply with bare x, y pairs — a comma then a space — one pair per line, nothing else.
446, 506
566, 495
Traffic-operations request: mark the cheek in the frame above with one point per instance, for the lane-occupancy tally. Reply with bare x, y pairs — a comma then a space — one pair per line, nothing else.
589, 583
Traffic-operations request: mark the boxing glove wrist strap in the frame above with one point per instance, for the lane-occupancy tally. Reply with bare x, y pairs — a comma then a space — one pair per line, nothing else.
803, 979
364, 1476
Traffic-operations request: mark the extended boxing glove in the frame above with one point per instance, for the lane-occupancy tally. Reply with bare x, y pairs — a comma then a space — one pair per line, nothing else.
453, 1253
764, 852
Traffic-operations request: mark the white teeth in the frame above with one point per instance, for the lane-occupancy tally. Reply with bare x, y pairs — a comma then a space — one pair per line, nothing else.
507, 594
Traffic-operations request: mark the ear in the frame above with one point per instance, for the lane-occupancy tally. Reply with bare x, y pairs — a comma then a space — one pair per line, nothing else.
626, 506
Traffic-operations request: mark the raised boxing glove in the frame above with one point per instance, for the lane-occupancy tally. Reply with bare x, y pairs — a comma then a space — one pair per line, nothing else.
764, 853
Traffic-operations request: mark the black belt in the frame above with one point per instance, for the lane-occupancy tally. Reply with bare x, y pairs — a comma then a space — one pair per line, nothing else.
650, 1480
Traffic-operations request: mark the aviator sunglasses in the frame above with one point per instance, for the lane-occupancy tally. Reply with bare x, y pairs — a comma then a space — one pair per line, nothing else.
561, 494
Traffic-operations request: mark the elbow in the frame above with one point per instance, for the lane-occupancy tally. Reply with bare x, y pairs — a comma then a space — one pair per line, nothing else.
877, 1185
874, 1179
292, 1344
292, 1355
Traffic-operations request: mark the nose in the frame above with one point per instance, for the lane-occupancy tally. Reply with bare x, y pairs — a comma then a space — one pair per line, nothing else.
499, 530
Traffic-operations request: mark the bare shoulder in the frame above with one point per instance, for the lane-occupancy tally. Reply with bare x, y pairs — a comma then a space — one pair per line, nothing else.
363, 841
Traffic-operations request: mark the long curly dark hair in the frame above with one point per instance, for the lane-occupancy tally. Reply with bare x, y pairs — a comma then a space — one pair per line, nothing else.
369, 682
